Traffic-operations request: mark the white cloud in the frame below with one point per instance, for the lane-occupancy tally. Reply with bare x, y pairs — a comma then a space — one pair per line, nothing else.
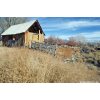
78, 24
91, 34
64, 36
73, 25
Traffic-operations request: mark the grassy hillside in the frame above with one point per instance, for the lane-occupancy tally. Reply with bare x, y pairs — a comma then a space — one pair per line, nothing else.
25, 65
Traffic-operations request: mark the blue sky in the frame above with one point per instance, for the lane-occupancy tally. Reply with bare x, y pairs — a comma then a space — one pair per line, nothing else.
65, 27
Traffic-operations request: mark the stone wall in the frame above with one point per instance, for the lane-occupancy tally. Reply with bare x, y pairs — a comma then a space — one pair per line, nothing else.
66, 53
44, 47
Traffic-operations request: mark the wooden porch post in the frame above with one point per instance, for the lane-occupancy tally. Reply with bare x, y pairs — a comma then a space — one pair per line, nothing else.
39, 35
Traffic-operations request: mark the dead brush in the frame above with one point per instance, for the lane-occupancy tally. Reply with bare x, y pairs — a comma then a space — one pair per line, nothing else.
27, 65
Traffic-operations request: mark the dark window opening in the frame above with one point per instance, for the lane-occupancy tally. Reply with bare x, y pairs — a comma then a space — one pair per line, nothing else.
38, 37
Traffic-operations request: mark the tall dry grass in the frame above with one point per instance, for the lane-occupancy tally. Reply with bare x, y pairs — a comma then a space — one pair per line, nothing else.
26, 65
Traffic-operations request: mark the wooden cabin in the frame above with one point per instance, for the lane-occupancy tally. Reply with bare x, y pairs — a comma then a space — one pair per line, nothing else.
23, 34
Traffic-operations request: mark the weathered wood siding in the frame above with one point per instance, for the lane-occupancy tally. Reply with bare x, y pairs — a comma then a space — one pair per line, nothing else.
31, 37
41, 38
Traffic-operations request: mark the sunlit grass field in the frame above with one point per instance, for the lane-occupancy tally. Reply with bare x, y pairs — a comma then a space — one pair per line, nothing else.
27, 65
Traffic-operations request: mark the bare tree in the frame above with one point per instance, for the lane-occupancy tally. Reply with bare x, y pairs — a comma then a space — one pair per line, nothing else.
72, 43
50, 40
72, 38
54, 40
78, 39
6, 22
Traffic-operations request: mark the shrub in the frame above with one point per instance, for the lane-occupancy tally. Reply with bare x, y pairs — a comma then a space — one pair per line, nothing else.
72, 43
53, 40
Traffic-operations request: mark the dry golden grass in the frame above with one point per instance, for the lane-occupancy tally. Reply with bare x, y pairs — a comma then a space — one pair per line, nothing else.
26, 65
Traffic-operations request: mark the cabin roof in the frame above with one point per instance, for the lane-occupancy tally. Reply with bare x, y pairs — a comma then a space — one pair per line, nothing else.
19, 28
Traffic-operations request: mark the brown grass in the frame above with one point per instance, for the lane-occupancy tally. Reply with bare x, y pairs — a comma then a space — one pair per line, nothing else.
65, 52
25, 65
